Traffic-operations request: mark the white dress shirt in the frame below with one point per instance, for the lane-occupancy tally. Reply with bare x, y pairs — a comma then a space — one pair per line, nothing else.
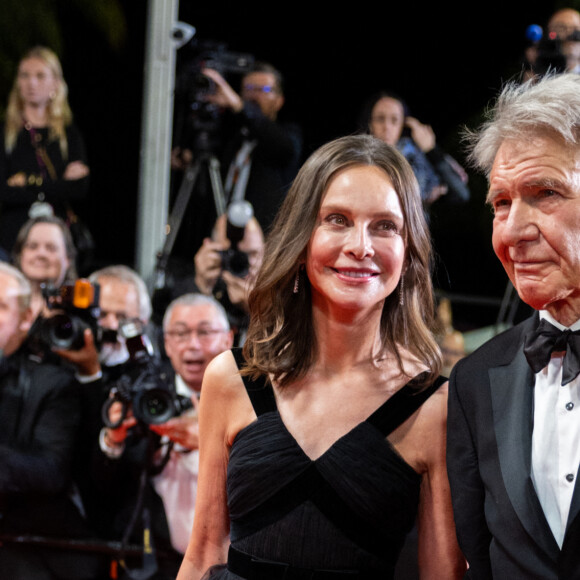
177, 486
556, 439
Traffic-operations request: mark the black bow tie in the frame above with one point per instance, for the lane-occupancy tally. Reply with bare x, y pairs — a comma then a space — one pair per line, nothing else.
541, 342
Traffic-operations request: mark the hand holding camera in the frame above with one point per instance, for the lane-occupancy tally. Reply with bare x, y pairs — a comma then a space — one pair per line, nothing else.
183, 430
85, 358
208, 265
222, 257
118, 415
145, 391
223, 95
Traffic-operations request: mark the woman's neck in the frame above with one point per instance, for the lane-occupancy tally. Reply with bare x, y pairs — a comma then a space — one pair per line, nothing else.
346, 341
35, 116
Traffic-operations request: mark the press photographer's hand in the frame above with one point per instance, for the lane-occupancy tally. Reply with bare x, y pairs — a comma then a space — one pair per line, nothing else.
224, 95
422, 135
208, 265
183, 429
115, 436
238, 289
85, 359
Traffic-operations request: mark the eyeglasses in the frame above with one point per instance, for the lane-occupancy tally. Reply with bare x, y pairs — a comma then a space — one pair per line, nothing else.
204, 335
259, 88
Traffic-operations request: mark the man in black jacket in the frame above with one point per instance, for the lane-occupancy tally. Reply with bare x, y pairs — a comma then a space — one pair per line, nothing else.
39, 420
513, 425
259, 153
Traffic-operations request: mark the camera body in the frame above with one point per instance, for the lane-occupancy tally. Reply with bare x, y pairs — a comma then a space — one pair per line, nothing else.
235, 261
76, 307
147, 389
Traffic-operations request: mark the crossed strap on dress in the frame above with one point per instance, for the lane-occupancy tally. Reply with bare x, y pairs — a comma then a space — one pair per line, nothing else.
311, 485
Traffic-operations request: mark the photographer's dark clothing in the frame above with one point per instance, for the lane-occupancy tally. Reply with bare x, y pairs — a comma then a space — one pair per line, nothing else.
93, 395
275, 159
125, 481
39, 422
24, 158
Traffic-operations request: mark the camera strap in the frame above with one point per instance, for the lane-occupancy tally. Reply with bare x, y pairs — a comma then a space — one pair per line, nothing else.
149, 557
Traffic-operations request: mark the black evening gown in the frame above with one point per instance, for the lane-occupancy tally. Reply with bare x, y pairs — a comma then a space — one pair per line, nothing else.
343, 515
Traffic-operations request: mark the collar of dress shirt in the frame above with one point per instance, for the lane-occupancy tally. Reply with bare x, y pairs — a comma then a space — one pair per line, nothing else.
544, 314
181, 387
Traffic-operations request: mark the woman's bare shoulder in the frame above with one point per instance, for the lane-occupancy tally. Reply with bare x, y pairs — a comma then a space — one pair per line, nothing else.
224, 392
222, 370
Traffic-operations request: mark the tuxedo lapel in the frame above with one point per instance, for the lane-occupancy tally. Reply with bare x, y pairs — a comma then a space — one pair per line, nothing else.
512, 402
575, 505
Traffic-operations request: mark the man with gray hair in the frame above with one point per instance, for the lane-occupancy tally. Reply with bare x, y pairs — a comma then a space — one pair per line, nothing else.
123, 296
514, 404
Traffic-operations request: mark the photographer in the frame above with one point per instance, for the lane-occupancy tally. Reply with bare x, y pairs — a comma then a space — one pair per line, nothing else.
196, 330
98, 363
122, 295
259, 154
40, 416
224, 281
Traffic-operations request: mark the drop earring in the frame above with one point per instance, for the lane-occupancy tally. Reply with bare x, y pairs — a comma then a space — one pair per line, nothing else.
296, 288
401, 294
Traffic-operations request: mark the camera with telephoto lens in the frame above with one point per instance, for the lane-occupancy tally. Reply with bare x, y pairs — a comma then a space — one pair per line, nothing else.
76, 308
145, 388
233, 259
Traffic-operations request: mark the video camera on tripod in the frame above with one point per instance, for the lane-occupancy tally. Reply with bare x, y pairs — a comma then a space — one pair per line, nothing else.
193, 84
196, 114
146, 388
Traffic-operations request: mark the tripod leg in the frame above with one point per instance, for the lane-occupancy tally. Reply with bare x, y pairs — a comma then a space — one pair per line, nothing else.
216, 185
174, 221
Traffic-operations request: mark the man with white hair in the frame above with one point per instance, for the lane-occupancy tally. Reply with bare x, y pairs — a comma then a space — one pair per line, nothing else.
514, 425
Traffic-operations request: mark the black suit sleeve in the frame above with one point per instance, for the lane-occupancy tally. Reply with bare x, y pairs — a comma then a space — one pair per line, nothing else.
38, 458
467, 489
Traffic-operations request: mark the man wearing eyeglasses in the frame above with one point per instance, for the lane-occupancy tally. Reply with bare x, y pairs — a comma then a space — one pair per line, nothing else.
196, 329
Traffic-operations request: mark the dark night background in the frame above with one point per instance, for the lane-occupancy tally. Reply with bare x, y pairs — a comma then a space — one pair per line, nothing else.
447, 63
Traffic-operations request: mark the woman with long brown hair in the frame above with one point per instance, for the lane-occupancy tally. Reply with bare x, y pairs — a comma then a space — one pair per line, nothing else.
324, 439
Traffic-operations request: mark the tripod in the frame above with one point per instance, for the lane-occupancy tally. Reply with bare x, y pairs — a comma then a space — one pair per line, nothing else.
203, 160
190, 178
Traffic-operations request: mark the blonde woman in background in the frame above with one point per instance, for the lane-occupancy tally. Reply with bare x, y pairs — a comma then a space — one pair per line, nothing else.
43, 164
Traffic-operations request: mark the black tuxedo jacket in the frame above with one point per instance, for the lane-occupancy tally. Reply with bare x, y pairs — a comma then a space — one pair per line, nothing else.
501, 527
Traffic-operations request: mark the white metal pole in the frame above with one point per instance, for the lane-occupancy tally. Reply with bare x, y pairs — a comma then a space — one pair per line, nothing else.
156, 134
